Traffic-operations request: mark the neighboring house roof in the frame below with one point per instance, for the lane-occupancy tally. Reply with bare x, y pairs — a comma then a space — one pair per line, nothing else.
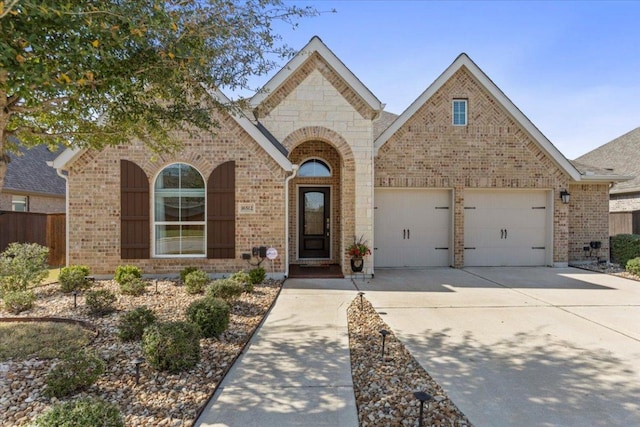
28, 172
464, 61
316, 45
620, 156
383, 122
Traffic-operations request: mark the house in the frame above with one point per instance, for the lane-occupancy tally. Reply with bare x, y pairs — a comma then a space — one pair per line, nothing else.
30, 185
624, 197
461, 178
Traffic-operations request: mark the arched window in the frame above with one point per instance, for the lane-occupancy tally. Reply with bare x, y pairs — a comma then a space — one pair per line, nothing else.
179, 212
314, 168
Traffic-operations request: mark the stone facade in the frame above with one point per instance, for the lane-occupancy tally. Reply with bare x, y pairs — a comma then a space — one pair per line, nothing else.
37, 203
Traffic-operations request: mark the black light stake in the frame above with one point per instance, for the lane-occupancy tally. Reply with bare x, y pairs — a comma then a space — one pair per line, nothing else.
360, 294
137, 362
75, 298
422, 397
156, 286
384, 334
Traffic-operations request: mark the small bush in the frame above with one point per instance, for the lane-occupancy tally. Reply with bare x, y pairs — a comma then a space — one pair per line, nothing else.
123, 270
196, 281
85, 412
74, 278
257, 275
132, 324
244, 279
172, 346
226, 289
76, 372
101, 302
625, 247
130, 284
633, 266
16, 302
210, 314
185, 271
22, 265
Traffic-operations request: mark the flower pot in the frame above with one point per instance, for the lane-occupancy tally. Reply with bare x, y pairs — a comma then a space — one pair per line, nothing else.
357, 264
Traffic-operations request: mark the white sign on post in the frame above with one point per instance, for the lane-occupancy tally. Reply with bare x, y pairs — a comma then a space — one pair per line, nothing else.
272, 253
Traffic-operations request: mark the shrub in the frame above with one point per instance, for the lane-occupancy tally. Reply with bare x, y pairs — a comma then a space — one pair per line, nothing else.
85, 412
633, 266
244, 279
625, 247
18, 301
196, 281
172, 346
74, 278
22, 265
101, 302
226, 289
76, 372
123, 270
257, 275
210, 314
185, 271
132, 324
130, 284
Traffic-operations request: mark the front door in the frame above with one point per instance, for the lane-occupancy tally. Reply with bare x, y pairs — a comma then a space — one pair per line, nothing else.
314, 228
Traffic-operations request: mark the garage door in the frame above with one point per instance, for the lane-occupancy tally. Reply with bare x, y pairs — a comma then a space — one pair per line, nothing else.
412, 228
506, 228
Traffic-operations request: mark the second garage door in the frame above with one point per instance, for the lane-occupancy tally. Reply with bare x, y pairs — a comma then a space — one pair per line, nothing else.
412, 228
506, 228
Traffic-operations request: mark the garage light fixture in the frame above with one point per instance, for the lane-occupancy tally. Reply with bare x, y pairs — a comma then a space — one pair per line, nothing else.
565, 196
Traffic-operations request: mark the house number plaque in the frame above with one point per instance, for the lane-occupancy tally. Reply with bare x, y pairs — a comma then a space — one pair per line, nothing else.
246, 208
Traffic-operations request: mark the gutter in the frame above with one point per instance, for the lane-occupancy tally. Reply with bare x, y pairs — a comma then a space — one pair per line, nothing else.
294, 169
66, 210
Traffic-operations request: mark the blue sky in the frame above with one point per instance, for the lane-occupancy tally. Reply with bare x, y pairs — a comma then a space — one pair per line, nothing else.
572, 67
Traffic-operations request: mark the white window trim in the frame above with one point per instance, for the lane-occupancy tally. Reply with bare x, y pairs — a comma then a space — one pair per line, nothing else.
24, 202
466, 111
155, 223
319, 159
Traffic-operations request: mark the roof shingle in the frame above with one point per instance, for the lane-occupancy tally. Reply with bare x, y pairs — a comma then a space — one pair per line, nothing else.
29, 171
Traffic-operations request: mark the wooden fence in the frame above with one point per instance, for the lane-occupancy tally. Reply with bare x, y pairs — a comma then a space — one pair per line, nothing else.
29, 227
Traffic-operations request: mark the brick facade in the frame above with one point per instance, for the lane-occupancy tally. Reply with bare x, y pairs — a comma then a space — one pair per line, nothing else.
625, 202
589, 220
37, 203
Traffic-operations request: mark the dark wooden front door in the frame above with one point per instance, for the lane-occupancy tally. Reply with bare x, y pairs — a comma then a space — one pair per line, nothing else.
314, 227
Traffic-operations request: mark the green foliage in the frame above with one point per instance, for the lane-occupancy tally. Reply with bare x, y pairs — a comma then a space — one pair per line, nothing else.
210, 314
226, 289
172, 346
633, 266
143, 67
101, 302
16, 302
85, 412
244, 279
196, 281
75, 373
185, 271
625, 247
132, 324
130, 284
73, 278
22, 265
127, 270
257, 275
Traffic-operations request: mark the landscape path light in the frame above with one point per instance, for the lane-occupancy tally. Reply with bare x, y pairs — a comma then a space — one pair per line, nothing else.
360, 294
422, 397
137, 362
384, 334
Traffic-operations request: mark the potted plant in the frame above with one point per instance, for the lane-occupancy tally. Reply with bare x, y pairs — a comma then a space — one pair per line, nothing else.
358, 250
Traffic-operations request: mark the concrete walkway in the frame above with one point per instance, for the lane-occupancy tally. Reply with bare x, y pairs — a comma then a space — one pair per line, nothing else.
296, 370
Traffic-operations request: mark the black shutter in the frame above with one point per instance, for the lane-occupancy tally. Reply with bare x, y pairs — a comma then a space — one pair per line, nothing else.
134, 212
221, 212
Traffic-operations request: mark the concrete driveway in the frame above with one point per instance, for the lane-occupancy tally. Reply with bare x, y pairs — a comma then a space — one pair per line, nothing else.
521, 346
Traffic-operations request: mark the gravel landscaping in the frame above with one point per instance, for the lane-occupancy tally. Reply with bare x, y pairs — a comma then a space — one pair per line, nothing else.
160, 399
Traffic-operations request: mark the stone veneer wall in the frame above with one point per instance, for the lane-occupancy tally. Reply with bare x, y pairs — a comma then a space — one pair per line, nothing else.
314, 104
589, 220
37, 203
492, 151
94, 205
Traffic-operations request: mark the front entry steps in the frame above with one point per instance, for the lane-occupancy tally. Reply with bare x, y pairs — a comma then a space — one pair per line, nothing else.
314, 271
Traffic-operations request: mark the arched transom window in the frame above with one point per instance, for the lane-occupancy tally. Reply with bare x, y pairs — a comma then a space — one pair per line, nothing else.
314, 168
179, 212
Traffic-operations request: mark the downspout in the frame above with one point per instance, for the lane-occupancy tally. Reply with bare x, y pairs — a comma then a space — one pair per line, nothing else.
66, 212
294, 169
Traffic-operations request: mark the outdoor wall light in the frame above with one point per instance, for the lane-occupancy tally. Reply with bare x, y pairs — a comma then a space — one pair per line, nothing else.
565, 196
384, 334
422, 397
137, 362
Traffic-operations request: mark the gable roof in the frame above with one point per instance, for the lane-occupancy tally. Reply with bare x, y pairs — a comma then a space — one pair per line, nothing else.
28, 172
316, 45
619, 156
464, 61
269, 143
